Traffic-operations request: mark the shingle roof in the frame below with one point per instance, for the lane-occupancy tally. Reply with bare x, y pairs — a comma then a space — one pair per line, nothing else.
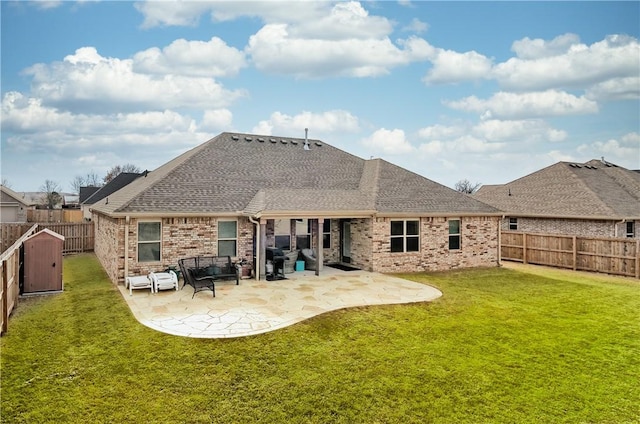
595, 189
251, 174
118, 182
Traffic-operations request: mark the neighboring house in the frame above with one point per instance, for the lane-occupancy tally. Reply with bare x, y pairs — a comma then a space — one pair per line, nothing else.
86, 192
592, 199
100, 193
237, 194
13, 206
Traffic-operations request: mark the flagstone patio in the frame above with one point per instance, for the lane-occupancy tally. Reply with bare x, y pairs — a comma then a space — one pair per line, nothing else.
255, 307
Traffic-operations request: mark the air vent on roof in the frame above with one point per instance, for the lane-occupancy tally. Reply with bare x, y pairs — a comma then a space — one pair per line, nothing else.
273, 140
318, 144
261, 140
235, 137
248, 138
283, 141
294, 142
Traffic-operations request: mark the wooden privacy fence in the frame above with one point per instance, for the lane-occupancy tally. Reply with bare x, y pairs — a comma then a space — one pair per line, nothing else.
617, 256
10, 275
78, 236
54, 215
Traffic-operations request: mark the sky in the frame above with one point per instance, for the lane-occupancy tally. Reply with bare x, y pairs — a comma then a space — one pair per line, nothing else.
483, 91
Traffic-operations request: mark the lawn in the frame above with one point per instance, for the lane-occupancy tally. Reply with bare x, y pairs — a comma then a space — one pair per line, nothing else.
501, 346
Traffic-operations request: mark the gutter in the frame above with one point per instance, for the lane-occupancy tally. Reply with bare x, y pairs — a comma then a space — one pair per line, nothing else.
126, 247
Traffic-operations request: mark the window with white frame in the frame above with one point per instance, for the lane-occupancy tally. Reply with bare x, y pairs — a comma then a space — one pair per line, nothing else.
454, 234
303, 234
405, 236
227, 238
513, 224
149, 241
326, 234
630, 229
282, 232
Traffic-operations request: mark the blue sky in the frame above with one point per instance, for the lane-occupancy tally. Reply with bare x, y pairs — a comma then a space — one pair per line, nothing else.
484, 91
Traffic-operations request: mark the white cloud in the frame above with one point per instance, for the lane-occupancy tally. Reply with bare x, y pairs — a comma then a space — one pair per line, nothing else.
518, 131
504, 105
87, 81
538, 48
333, 121
391, 142
217, 119
565, 63
624, 151
274, 49
170, 13
213, 58
615, 89
441, 131
416, 26
452, 67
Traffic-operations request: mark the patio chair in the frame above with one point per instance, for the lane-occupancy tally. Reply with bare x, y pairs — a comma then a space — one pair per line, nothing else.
138, 282
310, 258
195, 277
164, 280
290, 261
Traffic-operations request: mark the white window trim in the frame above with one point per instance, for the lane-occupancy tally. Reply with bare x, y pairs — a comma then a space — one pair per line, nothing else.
514, 223
138, 242
235, 255
633, 229
404, 235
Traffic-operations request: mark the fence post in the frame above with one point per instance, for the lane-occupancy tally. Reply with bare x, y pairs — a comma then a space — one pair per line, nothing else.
575, 253
638, 258
524, 248
5, 295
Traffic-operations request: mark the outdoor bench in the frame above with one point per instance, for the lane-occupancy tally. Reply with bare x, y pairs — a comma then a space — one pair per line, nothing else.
201, 272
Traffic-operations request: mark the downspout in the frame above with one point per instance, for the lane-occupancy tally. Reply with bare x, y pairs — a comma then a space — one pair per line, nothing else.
257, 264
126, 247
500, 240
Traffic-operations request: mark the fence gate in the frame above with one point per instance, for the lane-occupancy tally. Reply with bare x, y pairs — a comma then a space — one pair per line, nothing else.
43, 262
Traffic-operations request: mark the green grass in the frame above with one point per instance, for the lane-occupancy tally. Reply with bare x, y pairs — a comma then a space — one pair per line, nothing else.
500, 346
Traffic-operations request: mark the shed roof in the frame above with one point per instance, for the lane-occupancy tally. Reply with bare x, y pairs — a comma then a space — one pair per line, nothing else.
257, 175
596, 189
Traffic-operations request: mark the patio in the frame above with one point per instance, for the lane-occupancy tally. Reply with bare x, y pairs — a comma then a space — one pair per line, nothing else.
256, 307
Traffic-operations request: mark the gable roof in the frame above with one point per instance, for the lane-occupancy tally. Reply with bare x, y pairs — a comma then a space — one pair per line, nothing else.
9, 195
120, 181
86, 192
267, 175
595, 189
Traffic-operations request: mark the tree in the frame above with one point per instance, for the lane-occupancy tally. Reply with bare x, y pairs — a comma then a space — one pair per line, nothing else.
90, 180
118, 169
6, 183
466, 186
51, 196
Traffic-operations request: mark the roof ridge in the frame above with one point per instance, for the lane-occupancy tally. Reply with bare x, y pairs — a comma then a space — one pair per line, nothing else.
370, 180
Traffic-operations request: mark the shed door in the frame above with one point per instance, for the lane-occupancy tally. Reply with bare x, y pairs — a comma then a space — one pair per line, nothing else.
42, 265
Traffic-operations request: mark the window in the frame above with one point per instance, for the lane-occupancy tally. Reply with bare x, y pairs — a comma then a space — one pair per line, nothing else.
303, 234
513, 224
454, 234
405, 236
630, 229
326, 234
282, 231
149, 238
227, 238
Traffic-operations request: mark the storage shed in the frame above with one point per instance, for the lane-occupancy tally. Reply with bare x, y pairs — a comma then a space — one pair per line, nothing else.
43, 262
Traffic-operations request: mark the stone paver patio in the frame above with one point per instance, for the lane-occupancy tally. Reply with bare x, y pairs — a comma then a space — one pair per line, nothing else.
258, 307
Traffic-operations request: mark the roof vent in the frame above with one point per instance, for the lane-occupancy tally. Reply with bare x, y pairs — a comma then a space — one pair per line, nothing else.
273, 140
283, 141
235, 137
261, 140
295, 142
306, 139
318, 144
248, 138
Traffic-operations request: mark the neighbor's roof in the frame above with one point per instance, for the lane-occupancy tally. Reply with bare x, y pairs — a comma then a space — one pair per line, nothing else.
19, 198
595, 189
120, 180
268, 175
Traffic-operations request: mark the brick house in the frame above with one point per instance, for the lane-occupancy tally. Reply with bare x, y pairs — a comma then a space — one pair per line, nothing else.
236, 194
592, 199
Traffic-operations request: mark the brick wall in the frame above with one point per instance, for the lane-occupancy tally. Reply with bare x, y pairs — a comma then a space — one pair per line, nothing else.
108, 247
578, 227
479, 246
